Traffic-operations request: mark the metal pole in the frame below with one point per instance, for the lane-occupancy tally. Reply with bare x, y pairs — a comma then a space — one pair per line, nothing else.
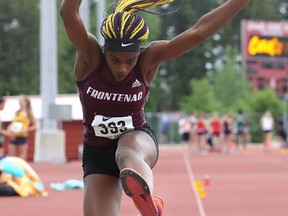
84, 12
48, 60
49, 141
99, 19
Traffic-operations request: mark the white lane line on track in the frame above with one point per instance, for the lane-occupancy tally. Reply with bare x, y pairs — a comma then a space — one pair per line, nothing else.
192, 181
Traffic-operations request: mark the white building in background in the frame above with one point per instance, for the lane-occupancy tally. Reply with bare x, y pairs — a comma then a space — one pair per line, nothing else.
12, 105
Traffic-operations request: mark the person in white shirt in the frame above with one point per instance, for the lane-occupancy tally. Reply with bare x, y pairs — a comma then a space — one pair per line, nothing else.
267, 126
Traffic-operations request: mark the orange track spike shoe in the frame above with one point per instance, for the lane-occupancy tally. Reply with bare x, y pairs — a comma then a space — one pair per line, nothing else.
136, 187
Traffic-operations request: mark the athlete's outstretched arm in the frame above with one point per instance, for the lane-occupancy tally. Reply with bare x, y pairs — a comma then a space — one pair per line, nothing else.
205, 27
88, 49
73, 23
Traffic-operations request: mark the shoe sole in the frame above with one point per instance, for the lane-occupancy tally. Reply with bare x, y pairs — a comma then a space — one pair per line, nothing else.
136, 188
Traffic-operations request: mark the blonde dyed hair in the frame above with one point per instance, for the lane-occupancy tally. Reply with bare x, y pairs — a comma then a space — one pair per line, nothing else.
125, 24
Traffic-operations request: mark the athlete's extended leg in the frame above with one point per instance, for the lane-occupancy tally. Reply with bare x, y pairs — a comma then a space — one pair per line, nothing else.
136, 155
137, 150
102, 195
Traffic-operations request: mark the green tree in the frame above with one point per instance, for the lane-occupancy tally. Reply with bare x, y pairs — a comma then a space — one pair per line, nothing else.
266, 10
19, 47
230, 84
261, 101
266, 99
179, 72
228, 89
203, 98
194, 64
66, 59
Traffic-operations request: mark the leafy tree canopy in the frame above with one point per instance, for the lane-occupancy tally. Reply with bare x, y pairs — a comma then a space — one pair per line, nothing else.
20, 65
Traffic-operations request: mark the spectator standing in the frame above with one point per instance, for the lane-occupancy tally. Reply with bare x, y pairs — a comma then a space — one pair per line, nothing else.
23, 123
216, 129
184, 128
202, 131
281, 132
228, 132
242, 129
267, 126
164, 127
193, 136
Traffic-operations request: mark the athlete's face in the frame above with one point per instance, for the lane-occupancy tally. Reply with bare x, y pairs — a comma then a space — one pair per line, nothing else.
121, 63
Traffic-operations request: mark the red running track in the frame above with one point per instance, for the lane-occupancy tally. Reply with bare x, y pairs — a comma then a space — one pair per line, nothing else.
254, 184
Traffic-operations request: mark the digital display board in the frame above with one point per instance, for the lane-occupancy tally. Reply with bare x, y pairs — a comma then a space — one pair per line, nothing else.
265, 54
267, 46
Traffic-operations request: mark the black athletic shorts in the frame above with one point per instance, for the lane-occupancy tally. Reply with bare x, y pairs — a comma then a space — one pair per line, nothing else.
102, 160
19, 140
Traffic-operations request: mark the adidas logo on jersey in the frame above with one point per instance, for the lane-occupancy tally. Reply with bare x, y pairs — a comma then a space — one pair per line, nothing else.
136, 84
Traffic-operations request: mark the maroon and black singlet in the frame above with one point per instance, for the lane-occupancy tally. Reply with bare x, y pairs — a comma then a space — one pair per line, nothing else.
111, 108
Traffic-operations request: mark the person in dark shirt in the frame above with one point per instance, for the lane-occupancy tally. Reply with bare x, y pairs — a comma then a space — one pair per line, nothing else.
281, 132
242, 130
114, 80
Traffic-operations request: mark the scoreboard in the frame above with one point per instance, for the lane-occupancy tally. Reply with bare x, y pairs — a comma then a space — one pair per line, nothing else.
265, 54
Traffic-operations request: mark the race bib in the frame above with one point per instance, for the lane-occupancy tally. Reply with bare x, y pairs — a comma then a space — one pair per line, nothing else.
111, 127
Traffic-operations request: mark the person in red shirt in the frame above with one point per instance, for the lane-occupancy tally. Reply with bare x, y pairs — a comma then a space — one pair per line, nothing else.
216, 128
202, 129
